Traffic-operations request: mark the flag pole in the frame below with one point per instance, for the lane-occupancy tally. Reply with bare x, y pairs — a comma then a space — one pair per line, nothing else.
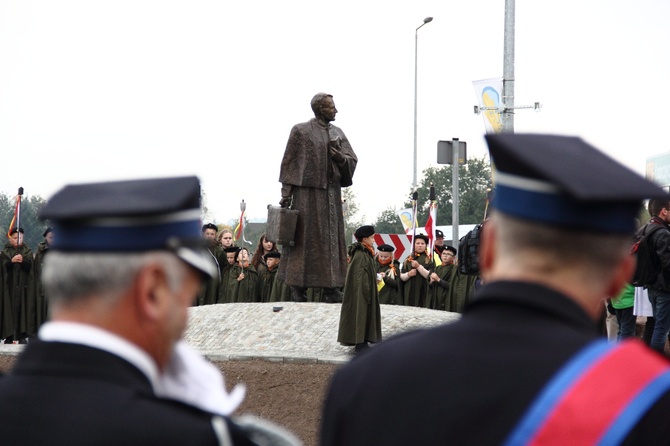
415, 198
432, 218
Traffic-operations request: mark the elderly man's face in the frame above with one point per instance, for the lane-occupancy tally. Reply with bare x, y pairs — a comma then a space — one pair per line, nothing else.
328, 109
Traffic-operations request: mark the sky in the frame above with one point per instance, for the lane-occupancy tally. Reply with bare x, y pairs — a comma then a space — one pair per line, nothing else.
107, 90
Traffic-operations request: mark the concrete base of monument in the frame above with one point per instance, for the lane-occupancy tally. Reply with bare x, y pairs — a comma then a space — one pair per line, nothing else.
298, 332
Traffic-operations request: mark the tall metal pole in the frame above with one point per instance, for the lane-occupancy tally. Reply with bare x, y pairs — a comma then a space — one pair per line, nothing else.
416, 82
508, 69
454, 191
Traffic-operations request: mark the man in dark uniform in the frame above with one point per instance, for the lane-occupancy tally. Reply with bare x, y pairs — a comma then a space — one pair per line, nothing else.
109, 367
318, 162
554, 249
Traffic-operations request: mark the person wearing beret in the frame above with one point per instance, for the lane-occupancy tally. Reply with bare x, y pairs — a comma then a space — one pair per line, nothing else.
243, 285
226, 261
438, 246
109, 367
439, 280
525, 364
415, 271
267, 274
17, 261
210, 290
388, 269
36, 290
360, 316
280, 292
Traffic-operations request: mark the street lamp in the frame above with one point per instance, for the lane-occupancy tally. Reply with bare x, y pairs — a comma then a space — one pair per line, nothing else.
416, 47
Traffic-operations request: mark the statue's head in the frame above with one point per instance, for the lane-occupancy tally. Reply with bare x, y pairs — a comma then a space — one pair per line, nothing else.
324, 107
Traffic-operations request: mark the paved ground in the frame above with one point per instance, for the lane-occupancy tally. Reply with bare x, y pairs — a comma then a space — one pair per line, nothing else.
298, 332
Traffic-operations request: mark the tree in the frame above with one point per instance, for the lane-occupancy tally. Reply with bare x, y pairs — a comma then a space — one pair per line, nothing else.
350, 211
388, 222
474, 183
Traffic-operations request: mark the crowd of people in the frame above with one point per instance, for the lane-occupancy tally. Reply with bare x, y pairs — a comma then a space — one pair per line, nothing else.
23, 303
424, 280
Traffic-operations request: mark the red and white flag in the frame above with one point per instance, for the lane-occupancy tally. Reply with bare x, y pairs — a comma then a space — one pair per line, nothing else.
431, 225
16, 219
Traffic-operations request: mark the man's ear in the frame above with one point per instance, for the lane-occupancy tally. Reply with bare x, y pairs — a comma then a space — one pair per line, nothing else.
487, 248
151, 287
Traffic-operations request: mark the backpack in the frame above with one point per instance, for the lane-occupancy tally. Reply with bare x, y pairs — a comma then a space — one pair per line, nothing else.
468, 251
648, 266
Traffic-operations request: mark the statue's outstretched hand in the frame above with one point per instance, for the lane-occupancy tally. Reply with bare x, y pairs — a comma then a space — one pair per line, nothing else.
285, 202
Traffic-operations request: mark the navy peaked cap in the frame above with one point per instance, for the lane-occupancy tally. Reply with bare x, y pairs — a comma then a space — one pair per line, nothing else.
131, 216
564, 181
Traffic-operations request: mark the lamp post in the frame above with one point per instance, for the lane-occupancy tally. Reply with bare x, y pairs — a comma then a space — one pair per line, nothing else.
416, 59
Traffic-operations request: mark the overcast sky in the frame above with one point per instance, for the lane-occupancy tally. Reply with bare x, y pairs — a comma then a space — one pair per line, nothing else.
103, 90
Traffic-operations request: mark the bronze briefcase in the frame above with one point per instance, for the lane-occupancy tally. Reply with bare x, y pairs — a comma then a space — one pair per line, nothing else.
281, 225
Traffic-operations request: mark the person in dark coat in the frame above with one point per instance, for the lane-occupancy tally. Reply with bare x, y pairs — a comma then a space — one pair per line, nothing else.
36, 289
440, 279
109, 368
388, 269
525, 364
243, 285
318, 162
360, 316
226, 261
209, 292
268, 274
17, 261
415, 271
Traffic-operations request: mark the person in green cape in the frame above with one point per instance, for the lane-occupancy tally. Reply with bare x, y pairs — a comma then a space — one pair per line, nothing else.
360, 317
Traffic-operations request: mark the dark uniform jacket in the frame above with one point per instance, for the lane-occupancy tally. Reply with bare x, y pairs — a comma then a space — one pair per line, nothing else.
469, 382
67, 394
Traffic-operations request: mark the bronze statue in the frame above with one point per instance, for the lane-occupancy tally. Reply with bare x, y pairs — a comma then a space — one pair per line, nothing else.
317, 163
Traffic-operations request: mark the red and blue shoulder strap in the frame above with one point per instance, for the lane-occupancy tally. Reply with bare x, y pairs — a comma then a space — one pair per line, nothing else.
596, 398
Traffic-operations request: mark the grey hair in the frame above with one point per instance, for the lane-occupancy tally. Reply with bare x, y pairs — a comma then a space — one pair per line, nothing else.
69, 277
591, 250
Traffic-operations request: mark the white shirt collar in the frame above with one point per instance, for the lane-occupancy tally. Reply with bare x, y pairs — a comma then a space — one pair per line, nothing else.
82, 334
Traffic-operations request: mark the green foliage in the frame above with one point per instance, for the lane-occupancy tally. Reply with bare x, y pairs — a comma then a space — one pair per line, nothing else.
351, 219
474, 181
388, 222
30, 207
